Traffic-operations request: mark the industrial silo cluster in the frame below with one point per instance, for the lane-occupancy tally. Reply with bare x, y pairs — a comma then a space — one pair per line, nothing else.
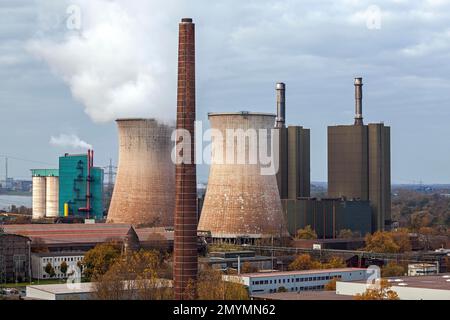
45, 193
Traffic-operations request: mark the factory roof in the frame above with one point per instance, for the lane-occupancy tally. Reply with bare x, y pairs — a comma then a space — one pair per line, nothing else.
84, 287
302, 272
440, 282
307, 295
85, 233
59, 254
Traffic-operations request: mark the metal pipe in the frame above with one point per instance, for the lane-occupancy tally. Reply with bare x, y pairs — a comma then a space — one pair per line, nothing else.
281, 105
358, 102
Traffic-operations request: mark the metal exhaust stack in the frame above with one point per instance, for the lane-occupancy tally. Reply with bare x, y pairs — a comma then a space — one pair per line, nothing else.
358, 102
281, 105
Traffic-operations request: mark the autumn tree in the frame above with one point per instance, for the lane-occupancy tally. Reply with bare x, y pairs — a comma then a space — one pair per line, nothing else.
334, 263
133, 276
383, 292
331, 285
49, 270
306, 233
211, 286
381, 242
63, 267
98, 261
347, 234
401, 238
304, 262
247, 267
392, 269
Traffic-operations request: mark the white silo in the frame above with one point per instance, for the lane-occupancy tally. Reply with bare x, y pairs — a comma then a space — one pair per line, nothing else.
52, 197
39, 197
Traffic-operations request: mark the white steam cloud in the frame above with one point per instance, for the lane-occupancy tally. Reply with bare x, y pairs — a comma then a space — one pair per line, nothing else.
69, 141
120, 63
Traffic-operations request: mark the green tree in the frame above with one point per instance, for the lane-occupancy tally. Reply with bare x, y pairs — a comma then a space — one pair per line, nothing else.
306, 233
98, 260
63, 267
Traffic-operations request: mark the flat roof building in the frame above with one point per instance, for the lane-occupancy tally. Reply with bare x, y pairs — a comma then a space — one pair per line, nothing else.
294, 281
407, 288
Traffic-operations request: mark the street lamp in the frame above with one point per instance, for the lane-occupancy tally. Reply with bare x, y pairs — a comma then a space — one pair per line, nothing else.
29, 260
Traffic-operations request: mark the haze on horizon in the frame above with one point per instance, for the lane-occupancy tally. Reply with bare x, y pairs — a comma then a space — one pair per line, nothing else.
67, 87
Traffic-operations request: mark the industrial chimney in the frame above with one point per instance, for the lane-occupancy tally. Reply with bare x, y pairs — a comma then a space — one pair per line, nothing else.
358, 102
241, 202
145, 183
185, 241
281, 105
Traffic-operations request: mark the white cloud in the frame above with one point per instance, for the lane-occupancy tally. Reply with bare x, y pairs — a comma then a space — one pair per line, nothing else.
69, 141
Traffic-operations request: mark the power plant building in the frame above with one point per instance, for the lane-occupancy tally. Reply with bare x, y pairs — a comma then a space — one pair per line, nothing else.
328, 217
359, 164
144, 192
241, 203
293, 176
80, 187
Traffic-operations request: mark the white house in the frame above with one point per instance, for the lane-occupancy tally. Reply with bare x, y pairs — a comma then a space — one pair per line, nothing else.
40, 260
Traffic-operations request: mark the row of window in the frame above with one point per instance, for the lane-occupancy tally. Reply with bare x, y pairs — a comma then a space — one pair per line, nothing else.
301, 289
306, 279
66, 259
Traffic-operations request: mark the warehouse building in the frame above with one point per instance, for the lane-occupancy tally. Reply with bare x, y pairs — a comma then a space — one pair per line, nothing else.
327, 217
359, 164
14, 257
407, 288
295, 281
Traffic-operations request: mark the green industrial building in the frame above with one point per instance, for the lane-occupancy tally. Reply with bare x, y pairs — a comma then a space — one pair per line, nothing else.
80, 187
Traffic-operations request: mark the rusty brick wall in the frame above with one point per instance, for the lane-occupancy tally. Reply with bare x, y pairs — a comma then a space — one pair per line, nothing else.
239, 200
185, 241
144, 192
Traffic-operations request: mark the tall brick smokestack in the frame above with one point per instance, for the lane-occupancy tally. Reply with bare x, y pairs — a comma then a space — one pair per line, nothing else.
185, 245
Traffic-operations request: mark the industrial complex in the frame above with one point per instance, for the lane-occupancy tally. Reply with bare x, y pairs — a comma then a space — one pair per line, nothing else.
156, 204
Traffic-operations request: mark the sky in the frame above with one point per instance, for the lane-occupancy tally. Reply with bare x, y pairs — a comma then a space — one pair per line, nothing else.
69, 68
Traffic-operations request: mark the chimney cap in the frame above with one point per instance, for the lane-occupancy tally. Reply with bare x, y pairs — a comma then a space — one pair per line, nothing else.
281, 86
186, 20
358, 81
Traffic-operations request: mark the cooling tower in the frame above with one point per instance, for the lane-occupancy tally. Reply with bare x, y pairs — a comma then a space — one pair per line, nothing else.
39, 197
240, 201
52, 197
144, 192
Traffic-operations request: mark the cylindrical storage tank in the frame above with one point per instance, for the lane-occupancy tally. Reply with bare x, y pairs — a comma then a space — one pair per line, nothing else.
39, 197
144, 192
52, 197
240, 200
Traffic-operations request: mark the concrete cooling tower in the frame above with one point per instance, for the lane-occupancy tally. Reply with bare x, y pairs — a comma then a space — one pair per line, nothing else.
144, 192
240, 202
